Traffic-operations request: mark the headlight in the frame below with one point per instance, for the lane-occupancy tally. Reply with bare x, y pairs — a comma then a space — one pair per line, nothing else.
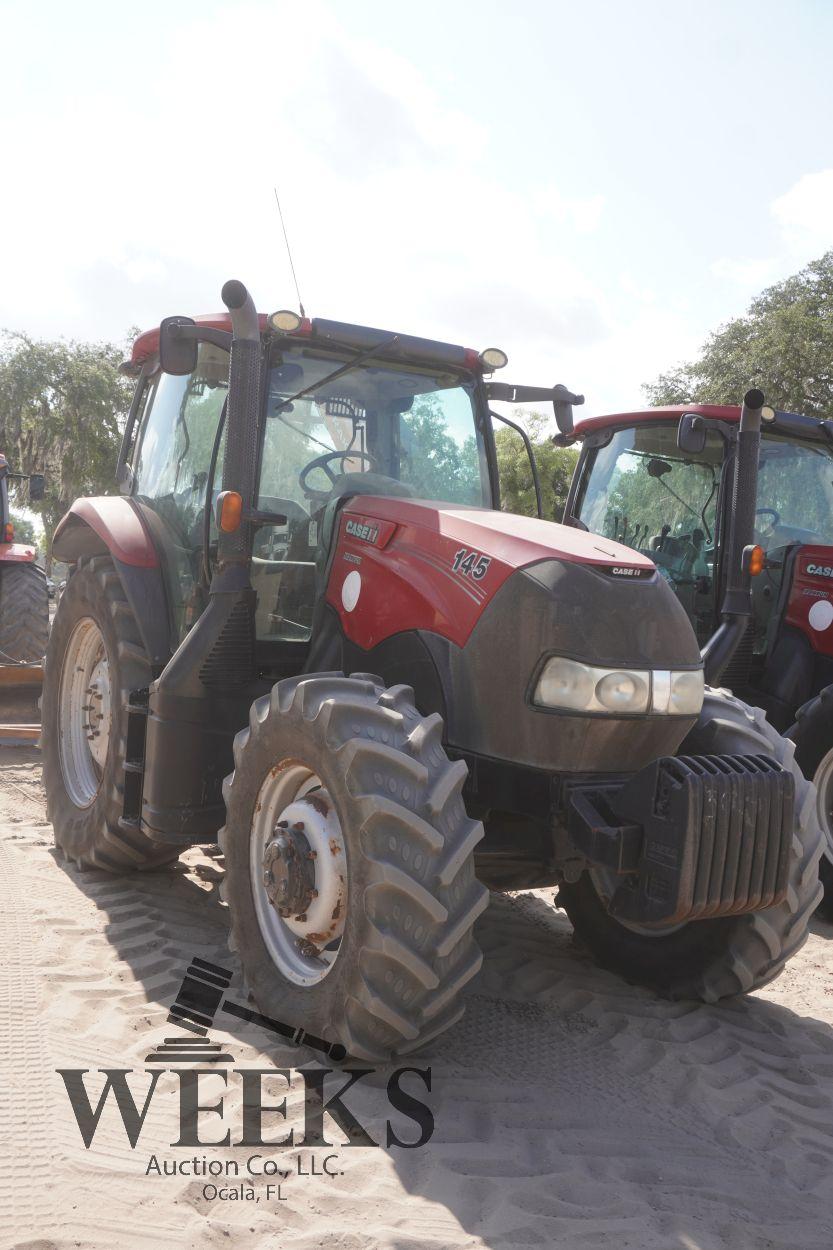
564, 683
687, 690
577, 687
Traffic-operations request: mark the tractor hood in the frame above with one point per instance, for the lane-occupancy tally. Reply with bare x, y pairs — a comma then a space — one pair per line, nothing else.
405, 563
513, 540
489, 596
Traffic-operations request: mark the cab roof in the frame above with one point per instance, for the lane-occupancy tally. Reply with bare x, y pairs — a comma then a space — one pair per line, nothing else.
342, 334
796, 424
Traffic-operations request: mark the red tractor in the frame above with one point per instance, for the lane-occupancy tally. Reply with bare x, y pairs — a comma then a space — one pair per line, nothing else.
662, 481
24, 597
308, 630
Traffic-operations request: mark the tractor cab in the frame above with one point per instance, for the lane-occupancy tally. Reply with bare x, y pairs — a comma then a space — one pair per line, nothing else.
345, 410
644, 480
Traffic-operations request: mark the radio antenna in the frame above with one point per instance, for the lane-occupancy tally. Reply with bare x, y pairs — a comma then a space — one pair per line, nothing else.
289, 253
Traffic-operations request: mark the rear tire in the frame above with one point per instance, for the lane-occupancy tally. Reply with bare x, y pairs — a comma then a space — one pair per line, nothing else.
714, 959
93, 627
402, 949
812, 734
24, 614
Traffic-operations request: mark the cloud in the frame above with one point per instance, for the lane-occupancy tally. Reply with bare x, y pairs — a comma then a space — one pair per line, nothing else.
805, 213
749, 274
395, 216
804, 216
582, 213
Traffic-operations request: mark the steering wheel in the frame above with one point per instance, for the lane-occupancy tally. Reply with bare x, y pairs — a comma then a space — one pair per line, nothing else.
323, 462
770, 512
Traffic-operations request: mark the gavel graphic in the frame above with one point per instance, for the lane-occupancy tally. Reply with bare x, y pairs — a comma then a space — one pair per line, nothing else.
199, 998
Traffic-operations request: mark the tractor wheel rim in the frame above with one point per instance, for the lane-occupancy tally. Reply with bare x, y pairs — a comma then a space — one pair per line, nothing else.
84, 713
292, 803
823, 781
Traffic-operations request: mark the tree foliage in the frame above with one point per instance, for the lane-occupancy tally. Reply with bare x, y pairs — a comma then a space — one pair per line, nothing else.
433, 462
24, 530
784, 344
62, 410
555, 468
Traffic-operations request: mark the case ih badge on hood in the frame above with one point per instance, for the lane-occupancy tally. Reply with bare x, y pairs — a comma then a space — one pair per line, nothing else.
329, 648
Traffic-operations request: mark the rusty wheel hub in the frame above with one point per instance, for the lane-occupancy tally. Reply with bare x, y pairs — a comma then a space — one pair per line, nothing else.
299, 875
289, 871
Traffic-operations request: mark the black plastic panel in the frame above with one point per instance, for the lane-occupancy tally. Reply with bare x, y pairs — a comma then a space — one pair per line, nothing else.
564, 609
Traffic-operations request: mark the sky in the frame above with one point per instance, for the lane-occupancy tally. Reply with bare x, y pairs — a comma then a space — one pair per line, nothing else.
593, 187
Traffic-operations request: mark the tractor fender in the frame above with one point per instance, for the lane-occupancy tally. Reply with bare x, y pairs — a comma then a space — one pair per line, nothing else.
16, 553
115, 521
114, 526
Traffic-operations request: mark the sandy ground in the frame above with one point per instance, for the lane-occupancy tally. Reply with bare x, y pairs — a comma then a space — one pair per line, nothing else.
570, 1109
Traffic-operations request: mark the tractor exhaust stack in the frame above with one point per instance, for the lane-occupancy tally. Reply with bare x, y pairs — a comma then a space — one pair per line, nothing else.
240, 462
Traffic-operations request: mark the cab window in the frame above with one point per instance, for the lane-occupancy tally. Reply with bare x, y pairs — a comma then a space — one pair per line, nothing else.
374, 430
172, 465
795, 493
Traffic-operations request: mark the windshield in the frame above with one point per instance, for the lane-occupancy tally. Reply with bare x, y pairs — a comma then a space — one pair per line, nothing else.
641, 489
408, 431
375, 430
795, 493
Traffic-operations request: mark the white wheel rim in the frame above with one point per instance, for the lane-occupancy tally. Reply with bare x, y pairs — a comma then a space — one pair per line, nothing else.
84, 713
305, 946
823, 781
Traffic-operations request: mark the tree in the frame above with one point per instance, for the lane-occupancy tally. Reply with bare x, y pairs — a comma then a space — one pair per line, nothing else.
24, 530
784, 344
555, 468
433, 461
62, 410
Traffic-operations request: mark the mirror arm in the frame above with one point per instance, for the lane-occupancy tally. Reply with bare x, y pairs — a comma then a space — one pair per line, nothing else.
529, 451
203, 334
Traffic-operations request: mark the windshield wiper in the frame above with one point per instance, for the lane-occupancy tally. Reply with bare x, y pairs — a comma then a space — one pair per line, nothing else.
338, 373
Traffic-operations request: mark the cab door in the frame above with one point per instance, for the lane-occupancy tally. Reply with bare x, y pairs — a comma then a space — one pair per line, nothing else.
171, 470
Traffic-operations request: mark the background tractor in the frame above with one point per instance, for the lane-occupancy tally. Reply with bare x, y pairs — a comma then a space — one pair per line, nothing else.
24, 598
662, 481
307, 630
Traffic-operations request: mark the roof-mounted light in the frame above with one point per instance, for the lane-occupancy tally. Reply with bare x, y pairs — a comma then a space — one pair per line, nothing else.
493, 358
285, 321
767, 414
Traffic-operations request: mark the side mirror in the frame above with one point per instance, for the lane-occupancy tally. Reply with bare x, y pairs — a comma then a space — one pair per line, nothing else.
37, 487
691, 433
177, 351
562, 403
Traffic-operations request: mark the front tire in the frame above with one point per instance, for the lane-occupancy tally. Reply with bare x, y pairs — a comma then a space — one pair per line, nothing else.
94, 659
354, 782
812, 734
714, 959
